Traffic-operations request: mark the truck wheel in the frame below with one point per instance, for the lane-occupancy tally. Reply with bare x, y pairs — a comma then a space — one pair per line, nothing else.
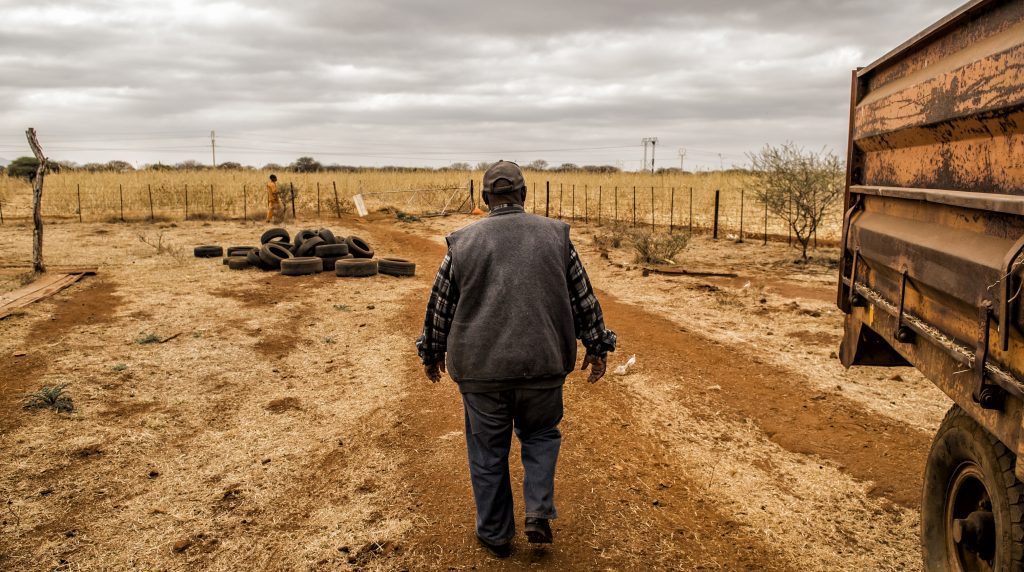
972, 516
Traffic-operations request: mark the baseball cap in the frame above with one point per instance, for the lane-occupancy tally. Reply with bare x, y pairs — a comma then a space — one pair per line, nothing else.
503, 177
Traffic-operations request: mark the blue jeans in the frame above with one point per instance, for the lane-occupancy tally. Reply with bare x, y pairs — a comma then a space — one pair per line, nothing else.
491, 418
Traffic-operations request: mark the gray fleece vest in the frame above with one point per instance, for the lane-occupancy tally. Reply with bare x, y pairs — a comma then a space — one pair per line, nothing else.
513, 321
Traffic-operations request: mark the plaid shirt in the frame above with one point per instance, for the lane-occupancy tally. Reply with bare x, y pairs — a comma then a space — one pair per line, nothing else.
586, 312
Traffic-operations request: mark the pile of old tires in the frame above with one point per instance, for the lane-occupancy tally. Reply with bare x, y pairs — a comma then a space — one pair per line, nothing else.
309, 252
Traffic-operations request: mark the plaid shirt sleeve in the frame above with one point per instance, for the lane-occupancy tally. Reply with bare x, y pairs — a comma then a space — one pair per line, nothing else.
586, 310
444, 296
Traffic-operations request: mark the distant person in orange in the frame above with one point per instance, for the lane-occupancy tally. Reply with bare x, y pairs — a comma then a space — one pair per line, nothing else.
274, 209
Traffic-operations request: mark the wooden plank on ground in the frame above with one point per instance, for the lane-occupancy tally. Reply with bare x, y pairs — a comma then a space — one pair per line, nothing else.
46, 286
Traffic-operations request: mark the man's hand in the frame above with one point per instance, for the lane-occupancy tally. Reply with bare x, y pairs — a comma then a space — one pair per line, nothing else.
434, 370
600, 365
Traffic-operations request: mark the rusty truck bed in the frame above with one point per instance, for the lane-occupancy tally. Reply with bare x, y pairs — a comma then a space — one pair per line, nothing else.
934, 213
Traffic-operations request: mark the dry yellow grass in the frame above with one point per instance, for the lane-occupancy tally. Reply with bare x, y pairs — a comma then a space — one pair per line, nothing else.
626, 197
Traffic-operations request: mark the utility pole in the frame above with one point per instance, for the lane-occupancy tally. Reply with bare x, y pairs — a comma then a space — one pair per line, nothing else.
213, 147
721, 166
682, 157
653, 141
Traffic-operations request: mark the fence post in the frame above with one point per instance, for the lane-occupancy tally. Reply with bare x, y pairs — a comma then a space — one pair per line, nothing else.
245, 204
652, 209
586, 203
152, 217
634, 205
600, 188
534, 198
318, 199
186, 202
547, 199
78, 188
213, 208
120, 193
672, 211
814, 212
765, 243
1, 212
714, 233
742, 191
560, 189
337, 203
691, 211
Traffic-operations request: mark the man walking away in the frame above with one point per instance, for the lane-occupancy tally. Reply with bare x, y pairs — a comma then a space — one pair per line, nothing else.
508, 304
275, 211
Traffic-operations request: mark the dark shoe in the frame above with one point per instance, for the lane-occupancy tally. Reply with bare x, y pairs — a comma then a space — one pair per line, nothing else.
498, 550
538, 531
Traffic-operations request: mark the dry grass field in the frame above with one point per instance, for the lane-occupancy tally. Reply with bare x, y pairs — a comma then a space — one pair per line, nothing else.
674, 199
285, 424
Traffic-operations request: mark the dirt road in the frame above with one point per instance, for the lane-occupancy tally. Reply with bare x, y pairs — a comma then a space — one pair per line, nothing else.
289, 426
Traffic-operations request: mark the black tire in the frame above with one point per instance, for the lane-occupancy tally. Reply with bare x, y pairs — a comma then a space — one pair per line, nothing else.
278, 234
396, 267
308, 247
301, 266
208, 251
226, 260
303, 235
355, 267
239, 250
238, 263
331, 250
331, 261
358, 247
272, 254
327, 235
971, 493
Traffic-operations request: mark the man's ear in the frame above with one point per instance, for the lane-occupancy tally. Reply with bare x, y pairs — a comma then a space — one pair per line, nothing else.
522, 195
486, 197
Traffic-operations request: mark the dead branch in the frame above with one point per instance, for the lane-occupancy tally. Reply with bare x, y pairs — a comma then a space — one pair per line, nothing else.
37, 201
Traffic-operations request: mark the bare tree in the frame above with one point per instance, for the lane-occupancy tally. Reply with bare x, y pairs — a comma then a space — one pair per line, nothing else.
798, 186
37, 201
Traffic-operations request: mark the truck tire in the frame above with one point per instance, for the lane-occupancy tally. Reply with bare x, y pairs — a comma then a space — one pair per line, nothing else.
238, 263
208, 251
396, 267
278, 234
327, 235
355, 267
272, 254
358, 247
239, 250
303, 235
301, 266
309, 246
972, 514
328, 250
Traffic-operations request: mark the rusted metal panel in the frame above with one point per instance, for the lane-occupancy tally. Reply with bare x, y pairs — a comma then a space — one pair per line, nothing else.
931, 272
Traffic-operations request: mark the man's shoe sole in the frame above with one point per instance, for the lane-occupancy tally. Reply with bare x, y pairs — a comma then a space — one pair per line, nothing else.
538, 537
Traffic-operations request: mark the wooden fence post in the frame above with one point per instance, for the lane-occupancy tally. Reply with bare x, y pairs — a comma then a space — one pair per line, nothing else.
560, 188
534, 198
789, 222
573, 203
616, 197
291, 186
765, 243
1, 212
37, 202
714, 233
186, 201
318, 199
547, 199
600, 188
245, 204
672, 211
78, 189
152, 216
742, 192
120, 192
691, 211
337, 203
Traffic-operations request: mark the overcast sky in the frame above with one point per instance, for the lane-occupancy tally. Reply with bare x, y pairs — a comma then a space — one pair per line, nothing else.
411, 82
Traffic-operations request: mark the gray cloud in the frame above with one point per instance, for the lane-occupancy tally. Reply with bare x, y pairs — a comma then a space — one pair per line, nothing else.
409, 82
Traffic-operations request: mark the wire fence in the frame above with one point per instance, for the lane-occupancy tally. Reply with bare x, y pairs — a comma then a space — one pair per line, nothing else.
730, 213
